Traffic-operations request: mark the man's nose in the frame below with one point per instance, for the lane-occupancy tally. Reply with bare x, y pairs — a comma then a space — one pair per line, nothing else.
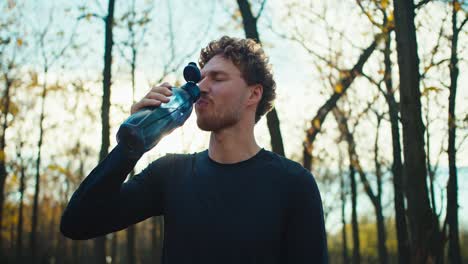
203, 84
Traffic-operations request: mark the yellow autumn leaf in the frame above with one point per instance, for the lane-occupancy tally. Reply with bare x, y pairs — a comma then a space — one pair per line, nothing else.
384, 3
34, 79
430, 89
390, 17
13, 108
2, 155
339, 88
456, 6
57, 168
316, 123
19, 42
434, 89
345, 74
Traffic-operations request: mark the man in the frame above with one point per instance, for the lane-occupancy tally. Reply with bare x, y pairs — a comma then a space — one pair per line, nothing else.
232, 203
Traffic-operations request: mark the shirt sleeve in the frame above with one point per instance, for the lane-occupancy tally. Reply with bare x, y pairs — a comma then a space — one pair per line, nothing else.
103, 203
305, 232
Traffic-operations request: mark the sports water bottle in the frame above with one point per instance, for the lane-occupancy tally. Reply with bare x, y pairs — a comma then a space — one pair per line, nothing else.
145, 128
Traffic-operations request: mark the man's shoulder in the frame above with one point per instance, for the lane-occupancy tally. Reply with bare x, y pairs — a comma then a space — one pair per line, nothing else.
171, 160
291, 172
297, 180
286, 165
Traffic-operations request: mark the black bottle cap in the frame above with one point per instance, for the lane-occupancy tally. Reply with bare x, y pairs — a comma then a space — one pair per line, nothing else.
192, 73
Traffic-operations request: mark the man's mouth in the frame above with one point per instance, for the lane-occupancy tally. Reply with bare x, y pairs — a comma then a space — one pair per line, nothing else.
202, 102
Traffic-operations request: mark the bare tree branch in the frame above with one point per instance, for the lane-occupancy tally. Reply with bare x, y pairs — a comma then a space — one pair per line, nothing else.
421, 3
435, 49
261, 10
368, 15
89, 15
463, 23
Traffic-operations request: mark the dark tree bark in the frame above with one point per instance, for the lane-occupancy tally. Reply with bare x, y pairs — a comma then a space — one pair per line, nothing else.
157, 238
100, 243
251, 31
114, 244
154, 240
381, 233
374, 198
3, 172
131, 230
76, 246
397, 166
425, 235
452, 187
19, 231
33, 235
343, 214
354, 219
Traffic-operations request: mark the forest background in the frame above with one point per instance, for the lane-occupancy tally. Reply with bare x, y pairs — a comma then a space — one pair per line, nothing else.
372, 98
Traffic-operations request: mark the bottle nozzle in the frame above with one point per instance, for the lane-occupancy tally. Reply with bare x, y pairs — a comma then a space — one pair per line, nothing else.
192, 73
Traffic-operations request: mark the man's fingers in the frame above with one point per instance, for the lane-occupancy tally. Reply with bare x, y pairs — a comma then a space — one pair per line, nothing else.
145, 102
162, 90
166, 84
157, 96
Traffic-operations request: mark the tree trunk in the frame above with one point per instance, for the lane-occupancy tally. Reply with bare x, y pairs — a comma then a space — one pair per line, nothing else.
3, 173
381, 233
452, 187
154, 240
131, 231
354, 218
425, 235
114, 245
251, 31
157, 238
76, 245
100, 243
397, 166
19, 232
343, 215
355, 164
34, 222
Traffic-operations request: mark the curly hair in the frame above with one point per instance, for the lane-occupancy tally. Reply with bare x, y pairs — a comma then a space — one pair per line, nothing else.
252, 62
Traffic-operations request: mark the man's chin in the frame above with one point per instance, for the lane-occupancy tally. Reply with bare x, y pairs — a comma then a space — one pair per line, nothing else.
203, 125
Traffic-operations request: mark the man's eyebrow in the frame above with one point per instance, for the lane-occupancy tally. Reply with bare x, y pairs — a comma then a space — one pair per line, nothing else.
214, 72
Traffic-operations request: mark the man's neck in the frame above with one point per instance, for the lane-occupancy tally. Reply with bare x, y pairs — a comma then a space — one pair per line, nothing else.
232, 145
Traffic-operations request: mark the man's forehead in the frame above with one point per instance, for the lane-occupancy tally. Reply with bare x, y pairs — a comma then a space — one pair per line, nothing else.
218, 65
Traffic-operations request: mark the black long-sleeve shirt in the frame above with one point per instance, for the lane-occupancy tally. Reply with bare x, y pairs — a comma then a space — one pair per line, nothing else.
266, 209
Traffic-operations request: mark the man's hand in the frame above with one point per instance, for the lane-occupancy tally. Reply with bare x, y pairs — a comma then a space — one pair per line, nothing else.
155, 97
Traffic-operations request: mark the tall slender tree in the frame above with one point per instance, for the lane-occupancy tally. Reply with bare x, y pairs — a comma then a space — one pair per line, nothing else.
386, 26
48, 59
425, 236
249, 22
100, 243
10, 45
136, 27
452, 187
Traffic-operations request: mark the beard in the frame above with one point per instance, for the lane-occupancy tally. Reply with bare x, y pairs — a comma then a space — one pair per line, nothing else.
216, 120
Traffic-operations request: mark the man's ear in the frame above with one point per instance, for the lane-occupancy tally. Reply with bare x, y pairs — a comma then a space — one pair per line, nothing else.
256, 92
